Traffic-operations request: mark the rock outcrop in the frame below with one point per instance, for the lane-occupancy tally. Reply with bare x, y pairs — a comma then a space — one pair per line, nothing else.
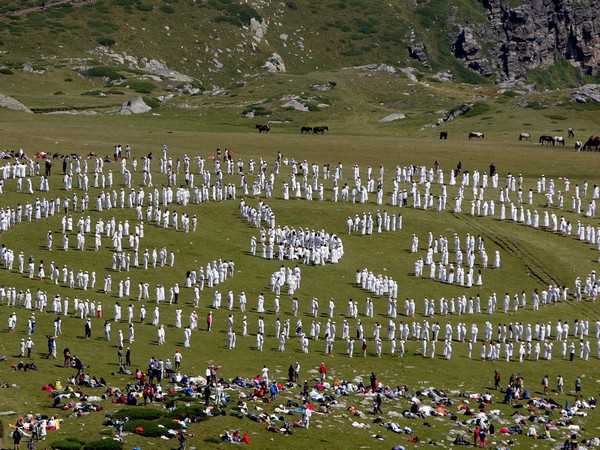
392, 118
134, 106
10, 103
587, 92
417, 51
467, 48
275, 64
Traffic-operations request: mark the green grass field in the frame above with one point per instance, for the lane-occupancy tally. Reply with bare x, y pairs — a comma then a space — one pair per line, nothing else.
530, 259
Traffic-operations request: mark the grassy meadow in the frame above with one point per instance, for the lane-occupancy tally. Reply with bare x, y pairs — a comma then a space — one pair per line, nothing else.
531, 258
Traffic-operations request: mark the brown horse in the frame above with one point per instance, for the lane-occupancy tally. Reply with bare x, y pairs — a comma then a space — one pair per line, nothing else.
443, 135
593, 141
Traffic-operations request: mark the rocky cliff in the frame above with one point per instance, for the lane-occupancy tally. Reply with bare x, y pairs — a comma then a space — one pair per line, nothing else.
538, 32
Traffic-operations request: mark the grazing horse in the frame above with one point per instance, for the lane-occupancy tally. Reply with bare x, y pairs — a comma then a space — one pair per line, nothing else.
593, 141
261, 128
578, 145
560, 140
546, 138
306, 130
475, 135
524, 136
443, 135
320, 130
571, 133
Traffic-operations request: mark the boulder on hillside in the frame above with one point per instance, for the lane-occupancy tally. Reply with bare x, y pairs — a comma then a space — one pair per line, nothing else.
392, 117
294, 103
136, 105
258, 29
275, 64
10, 103
417, 51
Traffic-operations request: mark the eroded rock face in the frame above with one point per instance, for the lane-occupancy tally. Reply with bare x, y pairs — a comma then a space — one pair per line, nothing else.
532, 35
467, 48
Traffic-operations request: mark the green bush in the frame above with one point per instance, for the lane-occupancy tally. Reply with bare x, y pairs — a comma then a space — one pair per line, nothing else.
106, 41
67, 444
150, 427
123, 2
59, 93
312, 107
139, 413
151, 102
104, 444
144, 7
142, 87
292, 5
168, 9
6, 71
351, 52
234, 14
103, 71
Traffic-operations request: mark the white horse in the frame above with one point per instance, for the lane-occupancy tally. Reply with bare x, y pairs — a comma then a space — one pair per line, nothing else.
475, 135
578, 145
524, 136
560, 140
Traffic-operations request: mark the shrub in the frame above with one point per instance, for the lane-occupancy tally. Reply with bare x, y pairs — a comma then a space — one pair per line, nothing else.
106, 41
351, 52
312, 107
103, 71
59, 93
150, 427
6, 71
292, 5
142, 87
139, 413
67, 444
168, 9
151, 102
144, 7
104, 444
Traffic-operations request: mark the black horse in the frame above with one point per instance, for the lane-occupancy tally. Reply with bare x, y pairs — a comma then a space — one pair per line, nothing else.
443, 135
320, 130
261, 128
306, 130
546, 138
